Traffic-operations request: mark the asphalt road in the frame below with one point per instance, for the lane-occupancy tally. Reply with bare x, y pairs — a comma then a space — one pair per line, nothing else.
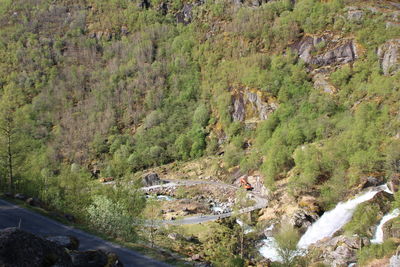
13, 216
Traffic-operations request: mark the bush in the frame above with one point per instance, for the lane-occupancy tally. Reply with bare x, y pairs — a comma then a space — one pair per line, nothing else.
375, 251
110, 217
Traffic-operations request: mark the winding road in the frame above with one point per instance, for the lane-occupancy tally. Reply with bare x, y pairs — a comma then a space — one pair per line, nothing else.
13, 216
260, 202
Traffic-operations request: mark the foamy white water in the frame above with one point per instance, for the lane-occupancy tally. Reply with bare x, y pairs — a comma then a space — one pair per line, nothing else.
270, 249
378, 237
334, 220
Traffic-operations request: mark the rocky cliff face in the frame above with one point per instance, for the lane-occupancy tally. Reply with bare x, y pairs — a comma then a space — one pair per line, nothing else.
389, 56
251, 104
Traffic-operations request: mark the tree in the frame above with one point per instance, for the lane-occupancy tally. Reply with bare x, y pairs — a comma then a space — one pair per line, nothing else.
287, 238
242, 218
9, 130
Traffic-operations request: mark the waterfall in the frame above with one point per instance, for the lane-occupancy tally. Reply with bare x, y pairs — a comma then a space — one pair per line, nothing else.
335, 219
378, 237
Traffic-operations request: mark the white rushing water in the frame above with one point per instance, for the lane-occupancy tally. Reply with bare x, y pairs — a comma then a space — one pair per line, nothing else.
378, 237
335, 219
269, 249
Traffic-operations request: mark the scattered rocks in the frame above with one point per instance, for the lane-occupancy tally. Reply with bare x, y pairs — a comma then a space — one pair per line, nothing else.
20, 248
69, 242
340, 250
389, 55
355, 14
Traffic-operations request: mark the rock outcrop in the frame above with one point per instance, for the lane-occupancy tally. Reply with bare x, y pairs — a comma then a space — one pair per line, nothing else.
340, 250
151, 179
325, 50
249, 104
389, 55
391, 229
19, 248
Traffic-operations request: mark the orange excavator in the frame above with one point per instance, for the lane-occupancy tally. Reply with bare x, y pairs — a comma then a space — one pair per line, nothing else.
106, 179
245, 184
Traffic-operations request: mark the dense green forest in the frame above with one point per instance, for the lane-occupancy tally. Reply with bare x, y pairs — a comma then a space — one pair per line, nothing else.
93, 88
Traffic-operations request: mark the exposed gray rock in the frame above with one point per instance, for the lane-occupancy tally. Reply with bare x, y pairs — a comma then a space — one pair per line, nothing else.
238, 109
321, 82
389, 54
69, 242
338, 54
151, 179
185, 16
303, 219
246, 104
340, 250
355, 14
21, 197
394, 182
23, 249
391, 229
394, 261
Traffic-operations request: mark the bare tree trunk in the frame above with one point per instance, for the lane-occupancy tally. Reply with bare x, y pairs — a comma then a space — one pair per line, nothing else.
10, 164
241, 242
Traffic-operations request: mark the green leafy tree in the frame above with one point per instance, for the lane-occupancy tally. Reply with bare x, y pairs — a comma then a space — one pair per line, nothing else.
287, 239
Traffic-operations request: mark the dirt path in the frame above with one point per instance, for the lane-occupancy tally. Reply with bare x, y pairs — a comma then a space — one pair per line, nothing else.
260, 202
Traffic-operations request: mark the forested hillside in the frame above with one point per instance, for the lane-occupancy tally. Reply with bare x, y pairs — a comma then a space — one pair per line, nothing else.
304, 91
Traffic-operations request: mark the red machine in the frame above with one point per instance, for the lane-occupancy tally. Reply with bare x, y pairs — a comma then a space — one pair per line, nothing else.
245, 184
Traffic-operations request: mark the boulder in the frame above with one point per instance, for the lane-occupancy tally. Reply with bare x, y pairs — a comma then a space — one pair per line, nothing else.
33, 201
394, 261
368, 181
69, 217
69, 242
394, 182
151, 179
20, 197
389, 55
89, 258
185, 15
113, 260
23, 249
303, 219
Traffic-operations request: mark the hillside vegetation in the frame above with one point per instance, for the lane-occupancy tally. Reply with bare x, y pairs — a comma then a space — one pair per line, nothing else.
301, 89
